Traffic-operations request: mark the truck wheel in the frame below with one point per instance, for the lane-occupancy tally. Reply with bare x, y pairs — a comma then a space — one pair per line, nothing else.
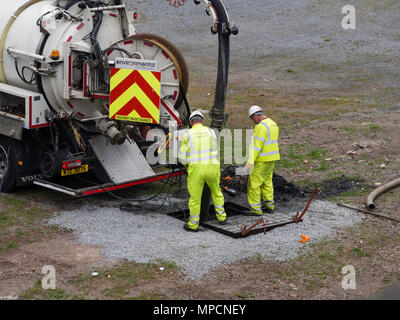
8, 171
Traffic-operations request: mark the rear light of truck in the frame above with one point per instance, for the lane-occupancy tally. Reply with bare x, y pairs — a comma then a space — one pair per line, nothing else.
71, 164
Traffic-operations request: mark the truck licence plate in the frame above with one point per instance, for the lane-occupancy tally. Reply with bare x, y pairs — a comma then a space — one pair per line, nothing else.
81, 169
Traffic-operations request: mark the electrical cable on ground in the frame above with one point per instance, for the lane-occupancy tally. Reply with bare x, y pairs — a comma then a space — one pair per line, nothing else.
127, 206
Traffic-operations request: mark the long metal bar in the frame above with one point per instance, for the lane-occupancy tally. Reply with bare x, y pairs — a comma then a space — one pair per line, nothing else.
122, 6
368, 212
297, 218
17, 52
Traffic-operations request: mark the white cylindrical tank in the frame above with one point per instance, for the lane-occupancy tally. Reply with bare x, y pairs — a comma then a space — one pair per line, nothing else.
74, 82
24, 33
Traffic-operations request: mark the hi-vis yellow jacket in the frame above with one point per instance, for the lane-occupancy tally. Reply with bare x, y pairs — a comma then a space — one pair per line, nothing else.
264, 143
198, 146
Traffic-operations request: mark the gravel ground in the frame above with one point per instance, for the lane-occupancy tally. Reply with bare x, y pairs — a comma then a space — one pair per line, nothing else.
146, 237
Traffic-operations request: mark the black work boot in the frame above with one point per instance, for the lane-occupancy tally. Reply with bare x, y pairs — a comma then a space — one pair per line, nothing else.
253, 214
222, 223
187, 228
268, 210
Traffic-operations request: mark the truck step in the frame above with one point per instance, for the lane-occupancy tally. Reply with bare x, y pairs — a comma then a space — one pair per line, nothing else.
122, 163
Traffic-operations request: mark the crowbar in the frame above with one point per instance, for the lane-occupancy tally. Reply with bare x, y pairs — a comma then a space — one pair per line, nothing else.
167, 140
297, 218
246, 231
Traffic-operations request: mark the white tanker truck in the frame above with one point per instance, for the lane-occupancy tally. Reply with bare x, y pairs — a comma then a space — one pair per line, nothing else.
57, 62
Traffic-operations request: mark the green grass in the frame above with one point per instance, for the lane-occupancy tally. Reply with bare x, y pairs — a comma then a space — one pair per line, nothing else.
258, 256
296, 156
374, 127
38, 293
323, 166
10, 245
241, 295
116, 283
20, 223
349, 129
360, 253
289, 70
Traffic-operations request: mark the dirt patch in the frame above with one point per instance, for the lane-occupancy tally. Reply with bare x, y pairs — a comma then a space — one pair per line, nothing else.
339, 185
286, 191
19, 269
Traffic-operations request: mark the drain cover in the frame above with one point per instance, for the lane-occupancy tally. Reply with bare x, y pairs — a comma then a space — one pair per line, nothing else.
238, 217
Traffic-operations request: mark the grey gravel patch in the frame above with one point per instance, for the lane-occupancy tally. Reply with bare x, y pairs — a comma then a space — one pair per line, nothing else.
148, 236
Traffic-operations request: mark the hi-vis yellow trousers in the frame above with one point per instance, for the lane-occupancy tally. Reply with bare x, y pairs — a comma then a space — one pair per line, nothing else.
260, 184
198, 174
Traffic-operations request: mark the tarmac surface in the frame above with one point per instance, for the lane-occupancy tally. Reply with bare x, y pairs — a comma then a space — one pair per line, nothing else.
304, 35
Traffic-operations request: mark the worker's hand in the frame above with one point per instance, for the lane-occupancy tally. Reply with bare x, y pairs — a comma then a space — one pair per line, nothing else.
248, 165
242, 171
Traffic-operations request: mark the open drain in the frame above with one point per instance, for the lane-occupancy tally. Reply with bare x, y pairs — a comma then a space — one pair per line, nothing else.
239, 223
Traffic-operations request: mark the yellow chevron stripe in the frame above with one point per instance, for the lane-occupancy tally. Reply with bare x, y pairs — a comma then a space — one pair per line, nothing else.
120, 76
151, 80
134, 91
147, 103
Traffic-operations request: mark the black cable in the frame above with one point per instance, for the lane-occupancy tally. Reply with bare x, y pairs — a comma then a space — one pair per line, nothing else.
185, 100
31, 82
33, 75
116, 196
129, 206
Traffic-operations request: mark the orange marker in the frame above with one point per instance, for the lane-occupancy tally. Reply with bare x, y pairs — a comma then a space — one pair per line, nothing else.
304, 238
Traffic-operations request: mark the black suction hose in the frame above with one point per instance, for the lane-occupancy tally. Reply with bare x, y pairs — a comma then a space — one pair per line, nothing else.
217, 112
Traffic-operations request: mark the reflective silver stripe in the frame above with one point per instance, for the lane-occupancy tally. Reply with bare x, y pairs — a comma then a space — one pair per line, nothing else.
256, 148
192, 152
212, 138
194, 217
268, 153
190, 141
194, 222
219, 207
220, 214
201, 152
259, 138
254, 205
203, 158
221, 211
270, 142
269, 133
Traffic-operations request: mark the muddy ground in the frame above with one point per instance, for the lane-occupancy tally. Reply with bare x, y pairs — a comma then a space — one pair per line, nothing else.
335, 95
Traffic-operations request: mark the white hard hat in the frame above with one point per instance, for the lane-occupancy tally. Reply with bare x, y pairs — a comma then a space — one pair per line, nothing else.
253, 110
196, 114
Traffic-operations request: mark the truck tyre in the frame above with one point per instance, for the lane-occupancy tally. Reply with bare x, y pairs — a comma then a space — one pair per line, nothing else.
8, 171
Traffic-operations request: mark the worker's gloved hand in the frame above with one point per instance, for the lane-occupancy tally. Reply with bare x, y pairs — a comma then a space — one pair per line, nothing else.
242, 171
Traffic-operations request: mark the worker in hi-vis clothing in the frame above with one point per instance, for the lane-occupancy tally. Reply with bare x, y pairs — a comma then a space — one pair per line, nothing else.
263, 152
199, 154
